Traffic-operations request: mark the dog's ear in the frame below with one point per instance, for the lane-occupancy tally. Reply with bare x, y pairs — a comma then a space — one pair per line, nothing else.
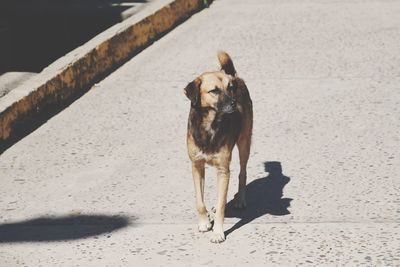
226, 63
192, 91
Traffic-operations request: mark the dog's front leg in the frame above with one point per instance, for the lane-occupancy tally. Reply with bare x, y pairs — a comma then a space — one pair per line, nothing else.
218, 235
198, 178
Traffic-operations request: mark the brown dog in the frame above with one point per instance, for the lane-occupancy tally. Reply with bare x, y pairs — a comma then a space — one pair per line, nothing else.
221, 115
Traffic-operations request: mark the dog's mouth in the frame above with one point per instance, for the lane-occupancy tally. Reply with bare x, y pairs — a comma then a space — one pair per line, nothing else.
229, 108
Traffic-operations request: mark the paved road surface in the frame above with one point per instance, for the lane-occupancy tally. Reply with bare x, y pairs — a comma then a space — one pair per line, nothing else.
107, 182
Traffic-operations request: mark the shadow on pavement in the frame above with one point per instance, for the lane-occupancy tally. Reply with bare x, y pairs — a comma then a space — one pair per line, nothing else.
264, 196
60, 228
34, 33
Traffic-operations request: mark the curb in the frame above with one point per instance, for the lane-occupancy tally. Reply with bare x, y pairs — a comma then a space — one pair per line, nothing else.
25, 109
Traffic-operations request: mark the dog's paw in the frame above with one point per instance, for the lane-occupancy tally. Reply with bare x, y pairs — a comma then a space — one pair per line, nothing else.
205, 226
240, 202
217, 237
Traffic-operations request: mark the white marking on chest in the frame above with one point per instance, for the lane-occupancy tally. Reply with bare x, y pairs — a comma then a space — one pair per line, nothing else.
210, 130
200, 155
207, 124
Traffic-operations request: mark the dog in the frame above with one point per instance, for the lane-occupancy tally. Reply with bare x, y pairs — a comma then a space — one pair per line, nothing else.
221, 115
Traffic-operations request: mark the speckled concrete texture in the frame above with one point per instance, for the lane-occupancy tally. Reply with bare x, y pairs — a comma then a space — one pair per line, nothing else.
324, 78
257, 245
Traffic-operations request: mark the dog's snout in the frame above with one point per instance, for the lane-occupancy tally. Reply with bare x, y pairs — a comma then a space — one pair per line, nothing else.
227, 104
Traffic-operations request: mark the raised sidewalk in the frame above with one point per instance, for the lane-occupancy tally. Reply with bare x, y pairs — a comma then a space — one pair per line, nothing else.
28, 106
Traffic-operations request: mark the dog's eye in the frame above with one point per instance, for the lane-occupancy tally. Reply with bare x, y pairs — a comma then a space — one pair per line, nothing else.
215, 91
232, 86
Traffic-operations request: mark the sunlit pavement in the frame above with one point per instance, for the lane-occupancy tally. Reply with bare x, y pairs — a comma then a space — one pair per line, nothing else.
107, 182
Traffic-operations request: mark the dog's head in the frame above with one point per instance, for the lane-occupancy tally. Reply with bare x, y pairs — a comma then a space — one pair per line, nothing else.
215, 90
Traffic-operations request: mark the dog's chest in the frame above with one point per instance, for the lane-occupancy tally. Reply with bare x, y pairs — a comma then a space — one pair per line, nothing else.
200, 155
212, 136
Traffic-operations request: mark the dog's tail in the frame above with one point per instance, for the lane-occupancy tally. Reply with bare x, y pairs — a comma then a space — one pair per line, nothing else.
226, 63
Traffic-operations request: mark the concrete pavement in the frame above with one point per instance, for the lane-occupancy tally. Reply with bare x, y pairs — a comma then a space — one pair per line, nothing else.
11, 80
324, 80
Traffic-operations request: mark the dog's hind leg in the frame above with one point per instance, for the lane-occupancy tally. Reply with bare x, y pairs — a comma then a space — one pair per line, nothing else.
198, 169
244, 152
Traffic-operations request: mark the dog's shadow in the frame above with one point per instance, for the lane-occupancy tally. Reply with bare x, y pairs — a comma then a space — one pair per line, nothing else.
263, 196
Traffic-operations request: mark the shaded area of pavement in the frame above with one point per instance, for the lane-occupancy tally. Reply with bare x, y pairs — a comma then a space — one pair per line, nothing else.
35, 33
60, 228
264, 196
